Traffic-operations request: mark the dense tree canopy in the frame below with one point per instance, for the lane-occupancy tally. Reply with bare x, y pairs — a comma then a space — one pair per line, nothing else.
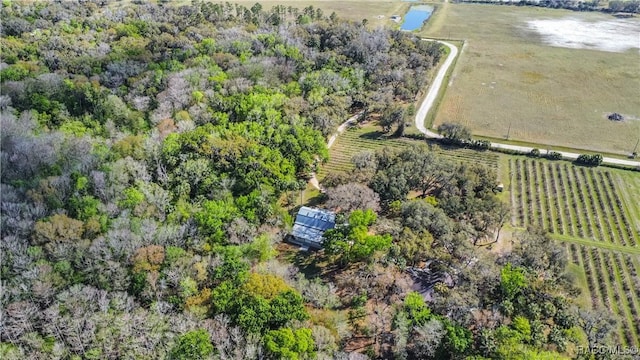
146, 150
352, 242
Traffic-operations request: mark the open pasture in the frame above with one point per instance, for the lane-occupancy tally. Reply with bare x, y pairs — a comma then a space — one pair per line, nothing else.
552, 76
590, 211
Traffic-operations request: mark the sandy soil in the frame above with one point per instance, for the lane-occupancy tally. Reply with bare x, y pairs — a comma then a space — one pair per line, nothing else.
615, 35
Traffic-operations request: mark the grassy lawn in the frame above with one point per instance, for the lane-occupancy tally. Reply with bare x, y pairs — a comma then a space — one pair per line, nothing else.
584, 299
549, 95
629, 185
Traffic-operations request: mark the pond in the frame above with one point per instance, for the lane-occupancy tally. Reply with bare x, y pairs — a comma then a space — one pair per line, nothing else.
416, 16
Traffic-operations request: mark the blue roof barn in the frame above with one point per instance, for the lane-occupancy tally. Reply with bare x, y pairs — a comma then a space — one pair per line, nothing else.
310, 225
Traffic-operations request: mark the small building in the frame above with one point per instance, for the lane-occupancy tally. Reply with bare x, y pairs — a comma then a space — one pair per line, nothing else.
310, 225
396, 18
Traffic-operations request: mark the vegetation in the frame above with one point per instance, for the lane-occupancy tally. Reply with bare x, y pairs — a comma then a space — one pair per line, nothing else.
144, 154
535, 152
458, 135
146, 150
193, 345
365, 138
439, 231
582, 203
553, 155
589, 159
454, 133
352, 242
506, 84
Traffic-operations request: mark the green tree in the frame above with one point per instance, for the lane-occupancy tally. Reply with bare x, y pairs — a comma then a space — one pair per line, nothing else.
418, 312
457, 339
223, 297
414, 247
454, 133
521, 324
213, 216
132, 198
512, 281
393, 115
193, 345
84, 207
353, 243
286, 306
289, 344
252, 313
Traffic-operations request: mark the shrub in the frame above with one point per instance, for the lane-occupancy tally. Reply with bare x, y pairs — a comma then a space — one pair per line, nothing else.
454, 134
589, 160
480, 144
554, 155
535, 153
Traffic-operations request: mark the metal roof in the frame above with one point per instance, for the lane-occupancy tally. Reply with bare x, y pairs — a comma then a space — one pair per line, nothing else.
312, 223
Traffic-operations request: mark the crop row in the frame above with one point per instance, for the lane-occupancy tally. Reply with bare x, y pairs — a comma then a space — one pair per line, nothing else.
569, 200
624, 305
610, 282
355, 141
585, 203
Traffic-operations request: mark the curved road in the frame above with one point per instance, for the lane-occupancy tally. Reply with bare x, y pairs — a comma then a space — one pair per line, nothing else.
432, 94
427, 104
434, 89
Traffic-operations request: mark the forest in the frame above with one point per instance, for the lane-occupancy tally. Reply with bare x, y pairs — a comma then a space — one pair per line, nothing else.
149, 154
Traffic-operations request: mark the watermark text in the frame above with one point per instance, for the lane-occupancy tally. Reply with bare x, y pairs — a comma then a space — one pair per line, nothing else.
608, 350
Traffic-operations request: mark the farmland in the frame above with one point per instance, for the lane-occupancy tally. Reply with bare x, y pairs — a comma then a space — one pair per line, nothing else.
507, 77
590, 210
368, 138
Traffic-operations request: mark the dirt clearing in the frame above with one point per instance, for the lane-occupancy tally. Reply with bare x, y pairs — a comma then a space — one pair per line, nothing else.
616, 35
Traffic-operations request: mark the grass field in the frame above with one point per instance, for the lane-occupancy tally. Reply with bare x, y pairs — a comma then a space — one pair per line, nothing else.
369, 138
549, 95
593, 212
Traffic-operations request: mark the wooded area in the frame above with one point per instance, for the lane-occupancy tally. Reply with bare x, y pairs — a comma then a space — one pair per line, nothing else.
145, 154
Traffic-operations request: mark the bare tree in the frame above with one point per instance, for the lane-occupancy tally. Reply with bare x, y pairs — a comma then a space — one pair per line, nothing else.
426, 339
597, 324
352, 196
